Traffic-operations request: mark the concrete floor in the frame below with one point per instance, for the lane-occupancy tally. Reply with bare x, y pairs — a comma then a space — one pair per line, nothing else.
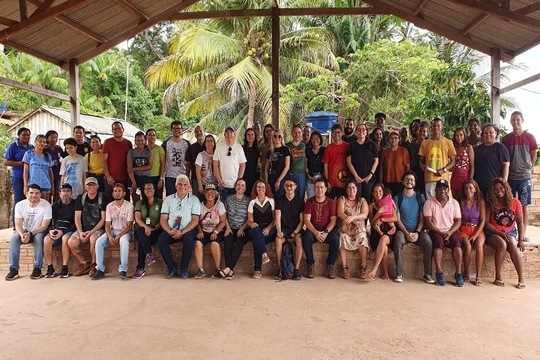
155, 318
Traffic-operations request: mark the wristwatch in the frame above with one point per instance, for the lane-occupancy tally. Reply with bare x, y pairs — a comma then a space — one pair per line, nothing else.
445, 169
326, 231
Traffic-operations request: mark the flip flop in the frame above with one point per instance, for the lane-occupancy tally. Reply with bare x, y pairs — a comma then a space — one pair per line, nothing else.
520, 285
478, 282
499, 282
465, 277
526, 239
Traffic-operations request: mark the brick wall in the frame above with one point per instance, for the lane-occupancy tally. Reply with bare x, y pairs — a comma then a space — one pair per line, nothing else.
534, 209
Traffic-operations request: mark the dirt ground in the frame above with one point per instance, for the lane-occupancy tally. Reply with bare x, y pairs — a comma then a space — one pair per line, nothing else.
155, 318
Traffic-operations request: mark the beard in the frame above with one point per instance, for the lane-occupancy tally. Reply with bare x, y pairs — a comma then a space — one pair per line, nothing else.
65, 201
348, 131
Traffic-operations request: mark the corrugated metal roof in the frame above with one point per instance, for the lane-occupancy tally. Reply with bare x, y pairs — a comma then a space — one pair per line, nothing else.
82, 29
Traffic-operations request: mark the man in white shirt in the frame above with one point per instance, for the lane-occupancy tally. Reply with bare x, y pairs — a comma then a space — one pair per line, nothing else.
229, 163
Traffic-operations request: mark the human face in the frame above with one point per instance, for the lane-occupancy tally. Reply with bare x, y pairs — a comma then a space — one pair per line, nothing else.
41, 143
261, 189
352, 191
336, 135
268, 133
349, 127
361, 131
250, 136
210, 195
297, 134
257, 130
91, 188
140, 141
469, 190
459, 136
474, 128
415, 127
118, 193
240, 187
176, 131
441, 193
499, 190
149, 190
199, 133
380, 122
24, 137
118, 130
151, 137
422, 133
409, 182
78, 134
52, 140
230, 136
490, 135
436, 128
517, 123
306, 133
377, 135
377, 192
71, 150
320, 189
182, 188
33, 195
65, 196
315, 141
290, 187
209, 144
278, 140
95, 144
403, 134
393, 140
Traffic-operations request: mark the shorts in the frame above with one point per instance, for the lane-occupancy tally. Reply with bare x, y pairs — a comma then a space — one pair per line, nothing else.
58, 242
512, 233
521, 190
438, 241
466, 230
98, 233
375, 238
206, 239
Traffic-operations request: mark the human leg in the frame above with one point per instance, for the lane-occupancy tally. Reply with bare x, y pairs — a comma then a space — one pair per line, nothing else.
237, 249
101, 243
188, 240
308, 239
515, 256
479, 248
399, 244
124, 252
14, 252
142, 239
66, 251
438, 245
455, 243
466, 248
38, 249
198, 253
499, 245
164, 245
297, 251
170, 183
279, 249
216, 251
48, 249
424, 241
381, 251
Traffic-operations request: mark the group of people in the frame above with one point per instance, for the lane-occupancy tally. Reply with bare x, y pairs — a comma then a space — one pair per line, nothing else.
256, 192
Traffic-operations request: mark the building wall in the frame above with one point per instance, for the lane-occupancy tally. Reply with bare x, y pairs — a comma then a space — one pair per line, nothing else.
41, 122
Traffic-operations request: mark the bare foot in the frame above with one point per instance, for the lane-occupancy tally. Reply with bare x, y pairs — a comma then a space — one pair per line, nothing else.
372, 274
392, 231
385, 276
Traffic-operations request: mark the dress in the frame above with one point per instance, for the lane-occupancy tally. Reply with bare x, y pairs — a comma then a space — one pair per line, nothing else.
351, 236
460, 173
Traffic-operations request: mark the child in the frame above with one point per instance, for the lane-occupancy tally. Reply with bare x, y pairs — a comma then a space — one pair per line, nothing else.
94, 163
73, 168
386, 201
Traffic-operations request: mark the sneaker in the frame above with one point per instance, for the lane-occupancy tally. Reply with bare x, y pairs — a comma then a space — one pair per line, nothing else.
310, 272
122, 275
184, 274
257, 275
230, 275
459, 280
440, 279
64, 273
265, 258
331, 272
399, 279
171, 273
216, 274
279, 275
150, 259
98, 275
139, 273
36, 274
200, 274
92, 269
296, 275
12, 275
84, 268
50, 272
427, 278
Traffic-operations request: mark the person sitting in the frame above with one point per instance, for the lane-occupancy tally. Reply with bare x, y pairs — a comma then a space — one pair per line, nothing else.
209, 230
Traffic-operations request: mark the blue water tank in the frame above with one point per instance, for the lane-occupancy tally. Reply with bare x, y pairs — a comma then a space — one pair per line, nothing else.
321, 120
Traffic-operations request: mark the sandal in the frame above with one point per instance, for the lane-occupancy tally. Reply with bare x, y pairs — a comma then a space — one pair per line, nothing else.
230, 275
478, 282
499, 282
345, 274
520, 285
363, 272
265, 259
465, 277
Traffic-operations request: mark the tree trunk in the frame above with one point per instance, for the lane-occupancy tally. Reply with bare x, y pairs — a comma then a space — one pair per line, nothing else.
251, 109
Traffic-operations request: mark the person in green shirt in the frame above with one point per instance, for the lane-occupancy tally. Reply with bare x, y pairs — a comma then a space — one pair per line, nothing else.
297, 170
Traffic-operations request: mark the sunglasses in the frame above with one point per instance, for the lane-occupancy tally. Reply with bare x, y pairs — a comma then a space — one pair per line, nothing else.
277, 136
229, 153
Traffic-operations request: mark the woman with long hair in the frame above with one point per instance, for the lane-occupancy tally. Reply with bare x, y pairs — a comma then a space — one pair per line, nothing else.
55, 152
95, 163
504, 228
473, 219
266, 145
147, 215
464, 167
38, 168
277, 164
204, 169
261, 221
314, 164
298, 161
251, 150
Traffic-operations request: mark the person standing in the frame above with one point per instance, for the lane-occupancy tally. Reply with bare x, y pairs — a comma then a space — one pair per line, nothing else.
176, 149
297, 169
314, 164
475, 135
522, 148
362, 161
251, 151
229, 163
414, 147
157, 173
73, 168
114, 158
94, 161
38, 168
335, 164
306, 135
139, 162
464, 168
380, 123
191, 156
204, 168
349, 130
55, 152
491, 158
83, 147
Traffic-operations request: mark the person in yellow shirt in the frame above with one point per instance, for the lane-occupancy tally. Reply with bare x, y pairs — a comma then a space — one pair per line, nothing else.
93, 160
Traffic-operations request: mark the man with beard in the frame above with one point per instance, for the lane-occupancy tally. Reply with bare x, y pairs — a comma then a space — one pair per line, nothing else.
63, 225
191, 155
115, 165
348, 130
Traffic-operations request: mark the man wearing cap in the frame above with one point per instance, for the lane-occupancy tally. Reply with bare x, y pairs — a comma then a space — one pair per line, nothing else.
180, 214
176, 148
32, 218
442, 216
62, 226
191, 155
89, 221
119, 218
229, 163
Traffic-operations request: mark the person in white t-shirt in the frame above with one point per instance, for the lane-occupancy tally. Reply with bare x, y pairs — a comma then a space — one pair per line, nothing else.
229, 163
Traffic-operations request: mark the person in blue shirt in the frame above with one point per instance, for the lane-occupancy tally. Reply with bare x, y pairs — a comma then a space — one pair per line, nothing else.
38, 168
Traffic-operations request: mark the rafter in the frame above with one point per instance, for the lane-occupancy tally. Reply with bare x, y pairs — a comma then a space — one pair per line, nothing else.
528, 9
44, 6
33, 88
474, 24
142, 16
83, 30
419, 7
23, 12
519, 84
6, 21
31, 51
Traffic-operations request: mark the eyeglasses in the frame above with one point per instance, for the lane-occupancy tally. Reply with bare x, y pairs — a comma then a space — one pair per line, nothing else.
289, 185
229, 153
277, 136
149, 189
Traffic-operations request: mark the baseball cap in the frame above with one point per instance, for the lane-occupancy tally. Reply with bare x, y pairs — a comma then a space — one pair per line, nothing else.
90, 179
210, 187
229, 128
66, 186
442, 183
120, 185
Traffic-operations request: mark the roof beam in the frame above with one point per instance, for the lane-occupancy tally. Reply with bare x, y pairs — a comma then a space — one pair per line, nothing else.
502, 13
83, 30
527, 47
42, 7
142, 16
39, 18
31, 52
23, 12
519, 84
419, 7
6, 21
32, 88
133, 31
473, 24
528, 9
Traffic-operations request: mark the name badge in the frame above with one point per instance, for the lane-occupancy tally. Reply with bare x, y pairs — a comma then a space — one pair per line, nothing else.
147, 221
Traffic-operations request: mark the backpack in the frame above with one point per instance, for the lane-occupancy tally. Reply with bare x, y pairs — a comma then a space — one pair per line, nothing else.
287, 261
418, 200
100, 199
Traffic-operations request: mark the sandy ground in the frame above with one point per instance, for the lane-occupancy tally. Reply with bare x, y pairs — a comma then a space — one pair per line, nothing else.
155, 318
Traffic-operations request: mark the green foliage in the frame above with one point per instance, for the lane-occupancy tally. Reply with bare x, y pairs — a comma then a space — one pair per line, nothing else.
5, 139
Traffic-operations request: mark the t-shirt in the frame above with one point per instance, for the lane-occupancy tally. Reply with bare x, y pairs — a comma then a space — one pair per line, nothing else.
320, 212
414, 147
276, 160
83, 149
73, 171
334, 157
204, 160
362, 157
298, 158
56, 155
314, 161
488, 163
94, 162
15, 152
237, 211
91, 211
290, 211
349, 139
504, 219
393, 164
117, 158
139, 159
262, 212
157, 151
180, 210
119, 216
436, 155
210, 218
519, 149
442, 217
191, 156
33, 216
409, 210
229, 164
154, 212
38, 168
175, 157
63, 216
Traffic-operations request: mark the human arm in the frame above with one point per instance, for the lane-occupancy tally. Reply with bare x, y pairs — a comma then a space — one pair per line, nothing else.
520, 229
161, 170
505, 168
220, 226
127, 229
26, 171
351, 168
470, 149
286, 166
217, 173
104, 162
199, 178
241, 170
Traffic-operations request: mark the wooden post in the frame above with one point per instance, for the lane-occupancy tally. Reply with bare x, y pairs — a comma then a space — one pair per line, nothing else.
74, 86
496, 86
275, 66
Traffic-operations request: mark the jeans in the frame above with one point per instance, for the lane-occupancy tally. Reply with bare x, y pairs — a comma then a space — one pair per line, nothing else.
224, 193
233, 247
301, 181
159, 190
310, 188
170, 185
18, 195
259, 244
308, 239
144, 244
15, 250
424, 241
164, 244
103, 242
365, 189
